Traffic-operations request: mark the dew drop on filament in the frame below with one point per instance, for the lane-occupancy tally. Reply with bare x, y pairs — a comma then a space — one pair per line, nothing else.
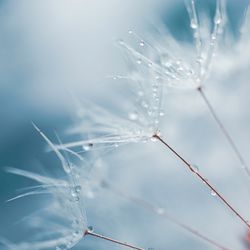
213, 193
161, 113
78, 189
195, 168
139, 61
87, 147
217, 20
193, 24
153, 139
142, 43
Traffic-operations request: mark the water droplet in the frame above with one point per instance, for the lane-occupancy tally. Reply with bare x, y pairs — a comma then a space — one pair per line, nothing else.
76, 233
130, 32
144, 104
78, 189
168, 65
217, 19
133, 116
150, 112
161, 113
195, 168
155, 88
153, 139
121, 42
142, 43
87, 147
199, 59
213, 193
193, 24
150, 64
69, 244
90, 229
139, 61
73, 193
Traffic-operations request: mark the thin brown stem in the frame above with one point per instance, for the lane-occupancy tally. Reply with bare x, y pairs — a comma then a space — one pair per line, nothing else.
203, 179
88, 232
162, 213
224, 131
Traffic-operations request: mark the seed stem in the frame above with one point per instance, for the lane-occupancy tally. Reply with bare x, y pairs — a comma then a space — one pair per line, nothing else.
203, 179
224, 131
88, 232
162, 213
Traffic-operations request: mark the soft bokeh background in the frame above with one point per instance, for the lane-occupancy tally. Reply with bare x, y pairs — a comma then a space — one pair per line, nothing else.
51, 50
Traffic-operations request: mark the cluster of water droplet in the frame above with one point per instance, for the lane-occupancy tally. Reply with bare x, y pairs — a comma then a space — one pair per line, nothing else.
149, 92
75, 235
75, 192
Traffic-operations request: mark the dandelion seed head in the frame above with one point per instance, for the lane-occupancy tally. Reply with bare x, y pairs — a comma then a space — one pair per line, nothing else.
180, 65
62, 221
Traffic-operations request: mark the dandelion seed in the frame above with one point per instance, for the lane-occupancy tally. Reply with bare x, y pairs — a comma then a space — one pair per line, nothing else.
69, 218
193, 71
